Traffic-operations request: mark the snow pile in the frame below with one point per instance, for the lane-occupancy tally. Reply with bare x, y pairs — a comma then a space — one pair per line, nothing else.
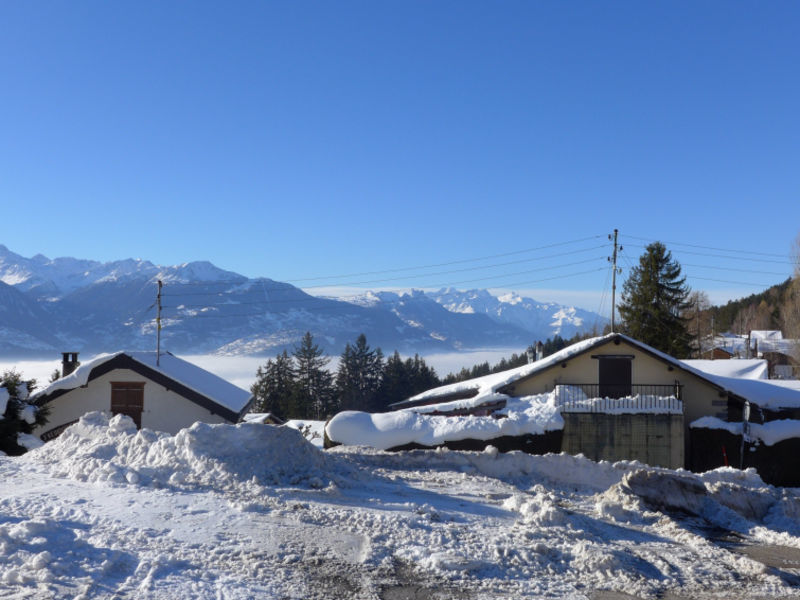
533, 415
221, 457
773, 432
770, 433
727, 498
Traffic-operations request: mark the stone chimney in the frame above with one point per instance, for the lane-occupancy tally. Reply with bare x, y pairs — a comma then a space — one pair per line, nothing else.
69, 362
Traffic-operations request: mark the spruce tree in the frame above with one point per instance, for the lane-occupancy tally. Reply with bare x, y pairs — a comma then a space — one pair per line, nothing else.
654, 300
395, 384
274, 386
313, 396
359, 376
17, 413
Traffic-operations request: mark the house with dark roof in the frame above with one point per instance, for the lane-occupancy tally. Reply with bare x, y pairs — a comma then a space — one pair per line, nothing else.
160, 392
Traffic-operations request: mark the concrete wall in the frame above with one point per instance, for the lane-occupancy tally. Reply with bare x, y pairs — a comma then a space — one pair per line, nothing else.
700, 398
657, 440
163, 409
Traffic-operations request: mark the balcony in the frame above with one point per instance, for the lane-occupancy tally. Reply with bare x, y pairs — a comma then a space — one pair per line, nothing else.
611, 398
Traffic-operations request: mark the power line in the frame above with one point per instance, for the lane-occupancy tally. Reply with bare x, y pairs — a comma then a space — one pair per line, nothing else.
690, 276
446, 264
731, 269
439, 285
761, 260
760, 285
708, 247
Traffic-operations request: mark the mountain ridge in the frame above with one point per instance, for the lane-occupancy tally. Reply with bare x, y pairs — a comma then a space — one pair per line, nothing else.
72, 304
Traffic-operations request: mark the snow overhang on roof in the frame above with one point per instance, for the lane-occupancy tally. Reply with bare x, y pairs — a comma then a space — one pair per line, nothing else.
180, 376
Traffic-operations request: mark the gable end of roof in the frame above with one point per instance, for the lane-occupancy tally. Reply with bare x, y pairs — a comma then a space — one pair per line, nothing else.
124, 361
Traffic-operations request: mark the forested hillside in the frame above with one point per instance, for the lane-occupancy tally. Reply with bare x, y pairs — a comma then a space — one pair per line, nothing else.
770, 309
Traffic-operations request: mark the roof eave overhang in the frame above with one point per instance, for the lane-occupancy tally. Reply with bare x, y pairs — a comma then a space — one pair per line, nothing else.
124, 361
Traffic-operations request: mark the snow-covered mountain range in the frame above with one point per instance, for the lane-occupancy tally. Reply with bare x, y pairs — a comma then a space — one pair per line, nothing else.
67, 304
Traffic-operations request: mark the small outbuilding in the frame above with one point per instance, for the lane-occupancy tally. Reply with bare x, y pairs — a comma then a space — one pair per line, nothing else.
160, 392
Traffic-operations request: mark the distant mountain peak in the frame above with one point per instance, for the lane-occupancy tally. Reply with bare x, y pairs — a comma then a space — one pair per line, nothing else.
92, 306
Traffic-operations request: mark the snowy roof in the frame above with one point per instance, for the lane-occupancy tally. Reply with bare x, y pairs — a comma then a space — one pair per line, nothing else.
744, 368
533, 415
265, 418
212, 387
759, 391
766, 335
765, 341
489, 385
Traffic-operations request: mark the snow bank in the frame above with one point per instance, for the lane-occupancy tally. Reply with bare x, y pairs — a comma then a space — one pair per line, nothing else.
528, 415
773, 432
221, 457
770, 433
716, 423
313, 431
4, 398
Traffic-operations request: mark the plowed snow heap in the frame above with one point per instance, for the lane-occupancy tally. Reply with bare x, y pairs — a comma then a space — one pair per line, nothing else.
221, 457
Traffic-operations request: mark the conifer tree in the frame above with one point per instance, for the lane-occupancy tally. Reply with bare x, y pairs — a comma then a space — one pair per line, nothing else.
313, 396
274, 386
17, 413
394, 383
654, 301
359, 376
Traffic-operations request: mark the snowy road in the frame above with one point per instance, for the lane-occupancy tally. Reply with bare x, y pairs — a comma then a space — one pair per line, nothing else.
254, 511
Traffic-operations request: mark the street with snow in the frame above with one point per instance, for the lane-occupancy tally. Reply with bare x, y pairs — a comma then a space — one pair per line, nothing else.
256, 511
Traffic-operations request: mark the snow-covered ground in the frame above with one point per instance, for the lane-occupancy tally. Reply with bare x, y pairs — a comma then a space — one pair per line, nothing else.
256, 511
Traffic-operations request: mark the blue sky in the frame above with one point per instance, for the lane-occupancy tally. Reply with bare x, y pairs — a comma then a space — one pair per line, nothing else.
305, 140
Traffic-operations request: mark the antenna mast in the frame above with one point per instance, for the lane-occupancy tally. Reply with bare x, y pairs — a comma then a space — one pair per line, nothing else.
158, 325
614, 280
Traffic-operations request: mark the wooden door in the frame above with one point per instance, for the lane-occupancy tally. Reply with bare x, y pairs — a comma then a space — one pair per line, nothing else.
615, 377
127, 398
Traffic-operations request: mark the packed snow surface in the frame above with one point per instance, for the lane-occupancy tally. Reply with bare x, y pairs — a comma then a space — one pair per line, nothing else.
255, 511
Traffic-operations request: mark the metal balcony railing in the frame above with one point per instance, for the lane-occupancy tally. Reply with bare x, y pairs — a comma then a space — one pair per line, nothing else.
593, 397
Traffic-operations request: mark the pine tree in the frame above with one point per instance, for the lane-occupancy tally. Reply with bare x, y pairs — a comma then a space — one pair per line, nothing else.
421, 377
17, 413
359, 376
395, 383
274, 386
654, 300
313, 396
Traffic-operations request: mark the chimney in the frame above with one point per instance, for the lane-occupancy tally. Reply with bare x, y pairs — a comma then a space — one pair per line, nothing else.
69, 362
539, 350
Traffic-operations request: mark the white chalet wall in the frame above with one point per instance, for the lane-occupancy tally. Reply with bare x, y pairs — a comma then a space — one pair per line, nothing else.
164, 410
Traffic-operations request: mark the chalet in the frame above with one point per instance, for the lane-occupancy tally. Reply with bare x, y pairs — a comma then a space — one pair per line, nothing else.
163, 392
620, 399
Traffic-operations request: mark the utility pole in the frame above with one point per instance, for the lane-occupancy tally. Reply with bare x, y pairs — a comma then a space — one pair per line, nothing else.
158, 324
614, 279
